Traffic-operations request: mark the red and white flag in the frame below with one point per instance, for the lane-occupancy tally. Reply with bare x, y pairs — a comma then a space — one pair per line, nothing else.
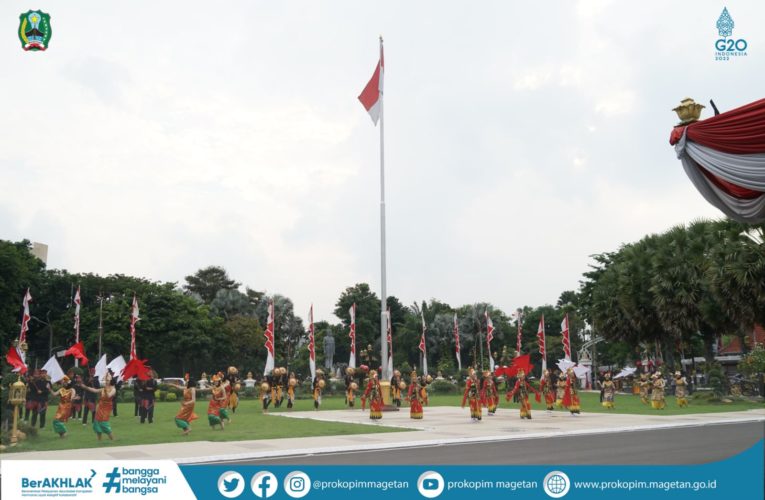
77, 303
16, 356
78, 351
564, 331
352, 335
311, 345
457, 342
520, 332
541, 339
372, 95
390, 342
489, 338
422, 346
133, 320
269, 334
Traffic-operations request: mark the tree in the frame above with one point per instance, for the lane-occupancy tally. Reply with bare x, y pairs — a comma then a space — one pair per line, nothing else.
206, 282
19, 270
231, 303
367, 315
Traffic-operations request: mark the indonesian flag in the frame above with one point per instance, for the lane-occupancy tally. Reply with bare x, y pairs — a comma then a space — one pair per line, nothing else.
78, 351
422, 345
16, 356
724, 156
519, 363
372, 95
390, 341
77, 303
489, 338
269, 334
457, 342
311, 345
564, 331
541, 339
133, 320
352, 335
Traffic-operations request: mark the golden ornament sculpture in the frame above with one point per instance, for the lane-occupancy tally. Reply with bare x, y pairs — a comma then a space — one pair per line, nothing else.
688, 111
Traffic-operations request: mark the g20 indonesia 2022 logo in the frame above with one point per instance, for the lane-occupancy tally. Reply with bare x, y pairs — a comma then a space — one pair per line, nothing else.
34, 30
725, 47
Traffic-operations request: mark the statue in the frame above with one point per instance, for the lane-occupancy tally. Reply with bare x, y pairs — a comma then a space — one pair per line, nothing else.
329, 350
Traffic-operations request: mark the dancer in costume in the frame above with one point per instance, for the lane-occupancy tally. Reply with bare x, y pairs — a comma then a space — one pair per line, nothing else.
395, 388
137, 396
64, 410
186, 414
547, 388
657, 393
103, 412
489, 394
609, 391
473, 394
216, 408
681, 390
415, 405
318, 387
280, 375
571, 395
350, 387
148, 396
265, 393
233, 387
291, 384
560, 389
41, 390
373, 394
426, 381
89, 402
645, 384
522, 388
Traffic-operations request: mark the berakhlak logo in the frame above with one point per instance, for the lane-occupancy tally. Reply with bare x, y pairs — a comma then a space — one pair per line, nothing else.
113, 481
430, 484
297, 484
725, 24
231, 484
34, 30
725, 47
556, 484
264, 484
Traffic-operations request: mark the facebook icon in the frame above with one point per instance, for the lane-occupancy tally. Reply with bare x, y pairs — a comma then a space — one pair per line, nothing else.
264, 484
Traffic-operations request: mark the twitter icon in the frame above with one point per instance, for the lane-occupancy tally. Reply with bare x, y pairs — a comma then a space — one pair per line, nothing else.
230, 484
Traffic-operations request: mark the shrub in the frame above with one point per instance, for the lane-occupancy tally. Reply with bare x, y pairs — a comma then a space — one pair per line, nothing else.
171, 396
443, 387
716, 380
754, 362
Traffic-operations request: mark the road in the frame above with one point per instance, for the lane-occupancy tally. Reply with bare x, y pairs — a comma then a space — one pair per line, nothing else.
684, 445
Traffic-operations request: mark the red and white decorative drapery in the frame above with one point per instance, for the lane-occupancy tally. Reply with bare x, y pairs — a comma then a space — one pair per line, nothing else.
724, 156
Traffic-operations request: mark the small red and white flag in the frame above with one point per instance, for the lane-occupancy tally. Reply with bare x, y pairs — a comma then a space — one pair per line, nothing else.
77, 303
564, 330
352, 335
372, 95
16, 356
311, 345
457, 342
422, 346
269, 334
541, 340
489, 338
133, 320
390, 341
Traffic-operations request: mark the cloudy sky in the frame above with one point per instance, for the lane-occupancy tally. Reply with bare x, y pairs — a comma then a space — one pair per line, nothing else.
156, 138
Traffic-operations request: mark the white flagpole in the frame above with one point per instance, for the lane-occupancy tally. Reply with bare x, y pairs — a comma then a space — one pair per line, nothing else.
383, 296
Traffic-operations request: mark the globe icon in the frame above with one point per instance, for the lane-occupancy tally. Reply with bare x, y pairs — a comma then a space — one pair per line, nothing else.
556, 484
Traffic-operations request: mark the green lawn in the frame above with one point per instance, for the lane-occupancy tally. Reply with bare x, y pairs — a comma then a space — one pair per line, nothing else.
249, 423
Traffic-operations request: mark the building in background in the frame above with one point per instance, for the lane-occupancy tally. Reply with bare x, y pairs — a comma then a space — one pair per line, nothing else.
40, 250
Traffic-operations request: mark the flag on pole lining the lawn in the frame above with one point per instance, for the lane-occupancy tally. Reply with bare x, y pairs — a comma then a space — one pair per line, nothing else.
489, 338
541, 339
311, 345
352, 335
269, 334
564, 330
457, 342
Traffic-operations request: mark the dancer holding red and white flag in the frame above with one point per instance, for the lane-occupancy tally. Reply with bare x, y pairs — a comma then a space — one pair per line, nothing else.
489, 338
311, 345
457, 342
17, 354
352, 335
269, 334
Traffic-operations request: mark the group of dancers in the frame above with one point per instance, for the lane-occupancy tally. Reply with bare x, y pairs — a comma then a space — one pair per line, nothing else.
79, 397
